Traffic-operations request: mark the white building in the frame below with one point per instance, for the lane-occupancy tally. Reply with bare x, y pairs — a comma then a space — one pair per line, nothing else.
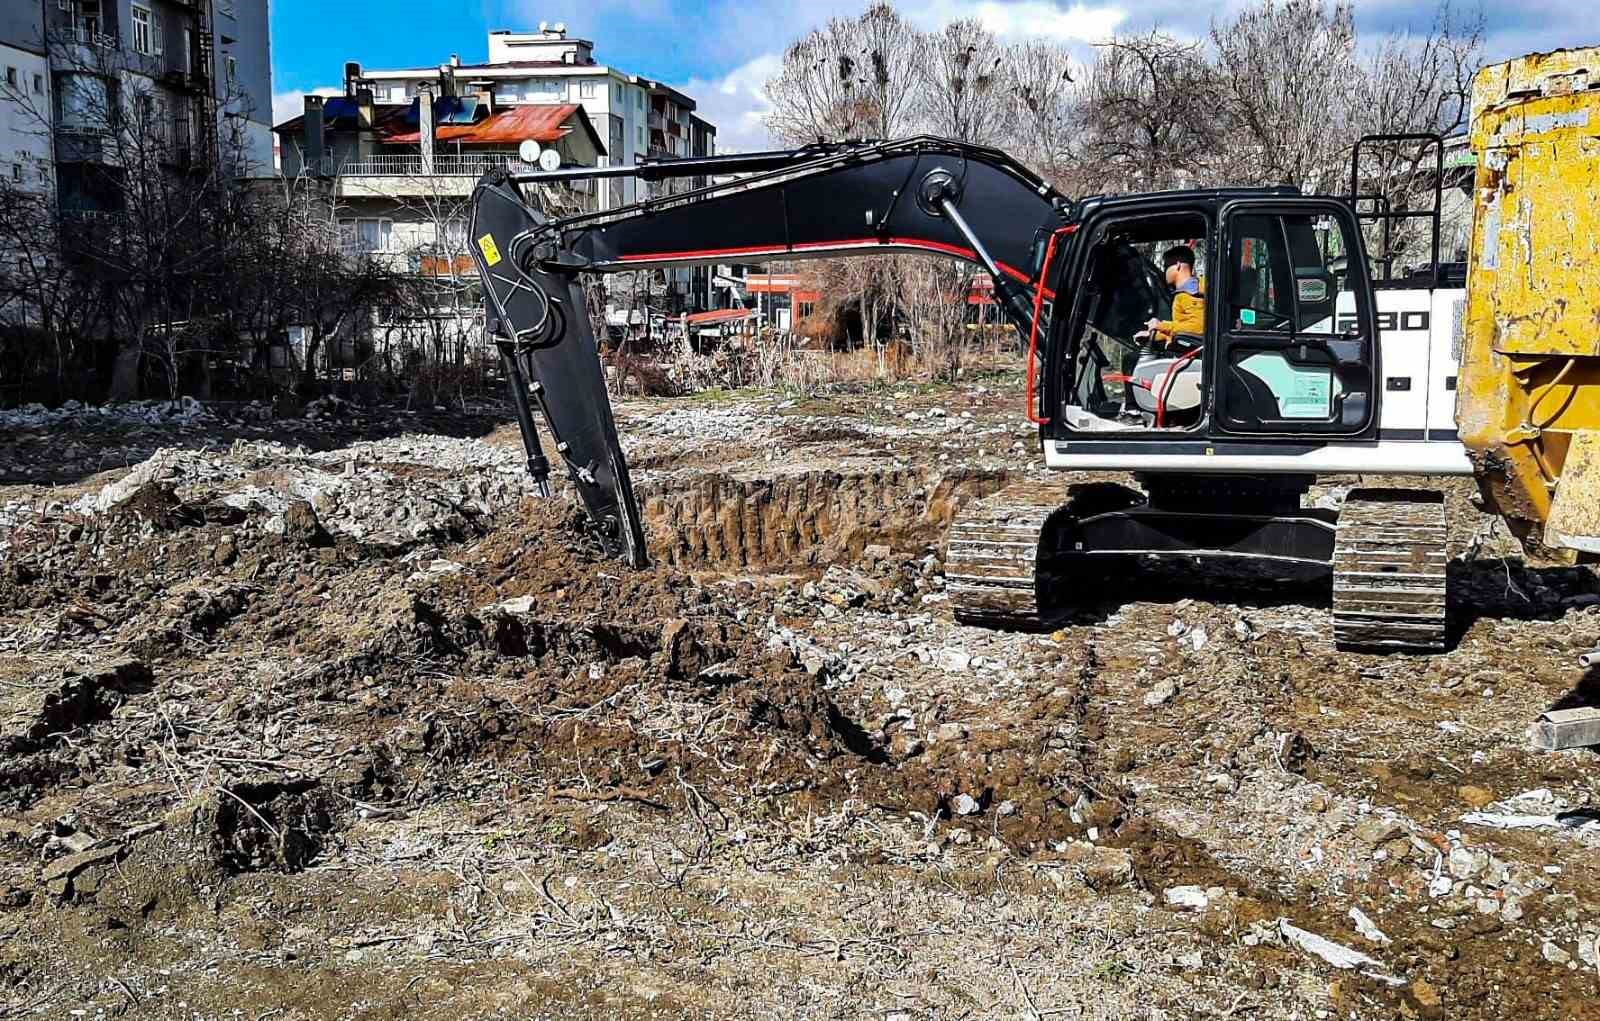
633, 116
24, 102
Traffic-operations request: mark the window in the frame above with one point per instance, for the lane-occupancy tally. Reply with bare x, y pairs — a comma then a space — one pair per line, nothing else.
1287, 272
11, 77
158, 34
233, 69
366, 234
16, 172
38, 84
588, 90
84, 101
141, 30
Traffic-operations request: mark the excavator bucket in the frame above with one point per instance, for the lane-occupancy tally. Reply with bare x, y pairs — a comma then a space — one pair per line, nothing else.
538, 318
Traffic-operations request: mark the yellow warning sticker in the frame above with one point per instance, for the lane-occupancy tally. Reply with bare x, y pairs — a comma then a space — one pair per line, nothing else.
491, 251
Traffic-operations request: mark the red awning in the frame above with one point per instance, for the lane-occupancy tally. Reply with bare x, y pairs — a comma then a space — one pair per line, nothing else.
721, 315
513, 124
772, 283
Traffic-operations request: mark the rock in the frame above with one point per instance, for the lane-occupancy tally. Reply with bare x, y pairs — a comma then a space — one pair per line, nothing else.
1426, 996
1466, 863
1006, 808
876, 552
950, 732
964, 804
1373, 832
1477, 797
954, 659
301, 525
1164, 692
1197, 639
1221, 783
14, 897
58, 875
905, 745
1185, 897
1554, 954
1194, 960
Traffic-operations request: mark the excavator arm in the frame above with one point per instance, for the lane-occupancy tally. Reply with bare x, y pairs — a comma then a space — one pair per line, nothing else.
923, 195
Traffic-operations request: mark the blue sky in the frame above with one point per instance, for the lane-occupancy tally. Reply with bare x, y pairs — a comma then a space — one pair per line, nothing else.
722, 51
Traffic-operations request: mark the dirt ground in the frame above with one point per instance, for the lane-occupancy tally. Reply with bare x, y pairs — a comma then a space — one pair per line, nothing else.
337, 721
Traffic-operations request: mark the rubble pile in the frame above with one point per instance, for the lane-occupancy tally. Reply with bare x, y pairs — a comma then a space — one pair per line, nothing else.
307, 722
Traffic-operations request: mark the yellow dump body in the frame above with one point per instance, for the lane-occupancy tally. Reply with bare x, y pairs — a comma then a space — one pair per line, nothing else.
1528, 406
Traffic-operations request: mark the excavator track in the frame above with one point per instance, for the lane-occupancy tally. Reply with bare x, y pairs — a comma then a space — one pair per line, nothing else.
992, 557
1389, 571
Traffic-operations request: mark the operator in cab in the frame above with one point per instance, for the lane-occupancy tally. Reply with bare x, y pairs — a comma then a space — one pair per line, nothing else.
1188, 299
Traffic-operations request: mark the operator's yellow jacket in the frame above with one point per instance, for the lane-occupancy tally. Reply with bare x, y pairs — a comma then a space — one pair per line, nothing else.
1188, 311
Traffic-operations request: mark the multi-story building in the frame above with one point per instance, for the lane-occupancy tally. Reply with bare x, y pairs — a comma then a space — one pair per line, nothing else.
195, 74
544, 85
399, 174
24, 98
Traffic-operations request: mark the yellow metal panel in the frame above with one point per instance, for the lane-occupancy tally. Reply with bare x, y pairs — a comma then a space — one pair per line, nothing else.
1575, 516
1530, 365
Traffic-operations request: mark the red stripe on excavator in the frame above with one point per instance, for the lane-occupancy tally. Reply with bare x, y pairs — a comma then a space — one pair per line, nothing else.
1033, 332
931, 246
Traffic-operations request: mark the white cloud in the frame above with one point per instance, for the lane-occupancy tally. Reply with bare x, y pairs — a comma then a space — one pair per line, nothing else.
1024, 19
737, 103
291, 104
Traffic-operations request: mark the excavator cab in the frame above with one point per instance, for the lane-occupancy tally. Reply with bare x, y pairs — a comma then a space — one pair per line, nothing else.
1289, 353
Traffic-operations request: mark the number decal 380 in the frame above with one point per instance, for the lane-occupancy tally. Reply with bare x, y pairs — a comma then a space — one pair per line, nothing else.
1389, 322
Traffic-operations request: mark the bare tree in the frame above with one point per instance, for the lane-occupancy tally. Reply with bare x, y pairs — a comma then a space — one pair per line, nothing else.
1287, 78
817, 92
965, 94
1152, 116
1050, 111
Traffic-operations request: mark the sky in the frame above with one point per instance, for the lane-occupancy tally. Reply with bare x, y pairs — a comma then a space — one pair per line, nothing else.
721, 52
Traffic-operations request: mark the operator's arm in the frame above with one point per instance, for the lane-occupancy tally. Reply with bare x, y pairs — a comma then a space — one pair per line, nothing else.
1188, 316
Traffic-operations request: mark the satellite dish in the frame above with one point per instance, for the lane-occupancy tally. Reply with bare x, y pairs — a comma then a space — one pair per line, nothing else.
550, 160
528, 151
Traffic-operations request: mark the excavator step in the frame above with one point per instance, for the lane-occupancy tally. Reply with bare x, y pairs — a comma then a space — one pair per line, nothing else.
1390, 568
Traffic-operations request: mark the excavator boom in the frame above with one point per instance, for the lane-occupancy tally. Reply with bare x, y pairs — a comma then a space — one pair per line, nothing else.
924, 195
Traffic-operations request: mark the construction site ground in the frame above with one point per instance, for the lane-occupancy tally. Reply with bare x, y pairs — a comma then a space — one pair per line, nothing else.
329, 717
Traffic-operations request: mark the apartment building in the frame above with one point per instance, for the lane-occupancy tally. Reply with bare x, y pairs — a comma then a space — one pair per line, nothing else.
24, 98
634, 116
196, 72
545, 86
399, 174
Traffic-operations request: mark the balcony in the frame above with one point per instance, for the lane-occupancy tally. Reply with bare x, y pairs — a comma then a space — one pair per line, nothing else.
410, 165
403, 175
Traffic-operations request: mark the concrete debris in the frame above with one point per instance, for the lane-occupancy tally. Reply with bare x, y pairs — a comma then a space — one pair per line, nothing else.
1164, 691
1335, 954
1186, 896
1366, 928
964, 804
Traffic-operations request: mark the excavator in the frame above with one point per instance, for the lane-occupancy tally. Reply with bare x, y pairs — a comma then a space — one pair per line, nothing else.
1317, 357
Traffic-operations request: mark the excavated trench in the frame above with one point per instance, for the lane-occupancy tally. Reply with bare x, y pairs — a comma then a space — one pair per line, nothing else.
805, 519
